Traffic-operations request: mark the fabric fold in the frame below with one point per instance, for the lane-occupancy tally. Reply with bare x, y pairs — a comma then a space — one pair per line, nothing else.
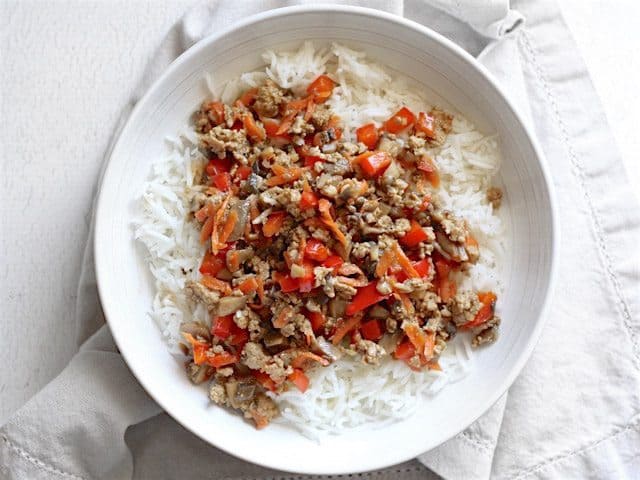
95, 421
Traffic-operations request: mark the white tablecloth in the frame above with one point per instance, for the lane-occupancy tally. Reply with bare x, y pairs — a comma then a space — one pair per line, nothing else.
35, 194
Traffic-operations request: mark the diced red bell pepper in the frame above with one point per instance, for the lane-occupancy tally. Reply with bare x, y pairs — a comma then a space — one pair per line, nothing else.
488, 301
333, 261
299, 379
316, 250
222, 360
305, 283
446, 288
222, 181
243, 172
317, 320
414, 236
368, 134
212, 264
218, 165
364, 298
402, 119
423, 267
238, 337
374, 164
321, 88
405, 350
371, 330
265, 380
222, 326
287, 284
199, 352
425, 124
426, 165
308, 200
274, 223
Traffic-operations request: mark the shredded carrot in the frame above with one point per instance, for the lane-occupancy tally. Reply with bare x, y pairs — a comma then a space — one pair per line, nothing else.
229, 225
287, 176
249, 285
286, 123
311, 106
386, 260
215, 245
206, 211
249, 96
207, 229
260, 289
301, 359
430, 345
325, 213
254, 131
283, 317
404, 262
406, 302
301, 249
233, 261
434, 365
213, 283
199, 348
345, 327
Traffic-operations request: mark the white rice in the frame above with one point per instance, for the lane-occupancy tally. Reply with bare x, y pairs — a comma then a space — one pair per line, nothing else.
339, 396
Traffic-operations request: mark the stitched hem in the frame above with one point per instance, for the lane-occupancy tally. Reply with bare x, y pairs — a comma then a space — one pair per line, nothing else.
530, 53
37, 462
525, 42
349, 475
477, 442
559, 458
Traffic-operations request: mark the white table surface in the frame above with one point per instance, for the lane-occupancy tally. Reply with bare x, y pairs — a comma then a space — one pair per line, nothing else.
66, 69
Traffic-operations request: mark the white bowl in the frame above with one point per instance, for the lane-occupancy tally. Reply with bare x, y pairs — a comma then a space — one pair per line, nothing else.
126, 289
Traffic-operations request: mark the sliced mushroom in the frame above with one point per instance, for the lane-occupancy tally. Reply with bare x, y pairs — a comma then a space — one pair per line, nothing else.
224, 274
197, 373
246, 392
196, 329
390, 342
242, 209
455, 251
337, 307
379, 312
231, 388
243, 255
392, 147
273, 339
229, 305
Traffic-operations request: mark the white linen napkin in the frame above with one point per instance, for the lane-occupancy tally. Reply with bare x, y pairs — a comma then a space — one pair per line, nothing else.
575, 409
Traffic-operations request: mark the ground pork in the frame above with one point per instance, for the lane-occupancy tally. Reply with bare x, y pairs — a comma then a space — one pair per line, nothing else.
221, 141
268, 99
442, 122
197, 292
494, 195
